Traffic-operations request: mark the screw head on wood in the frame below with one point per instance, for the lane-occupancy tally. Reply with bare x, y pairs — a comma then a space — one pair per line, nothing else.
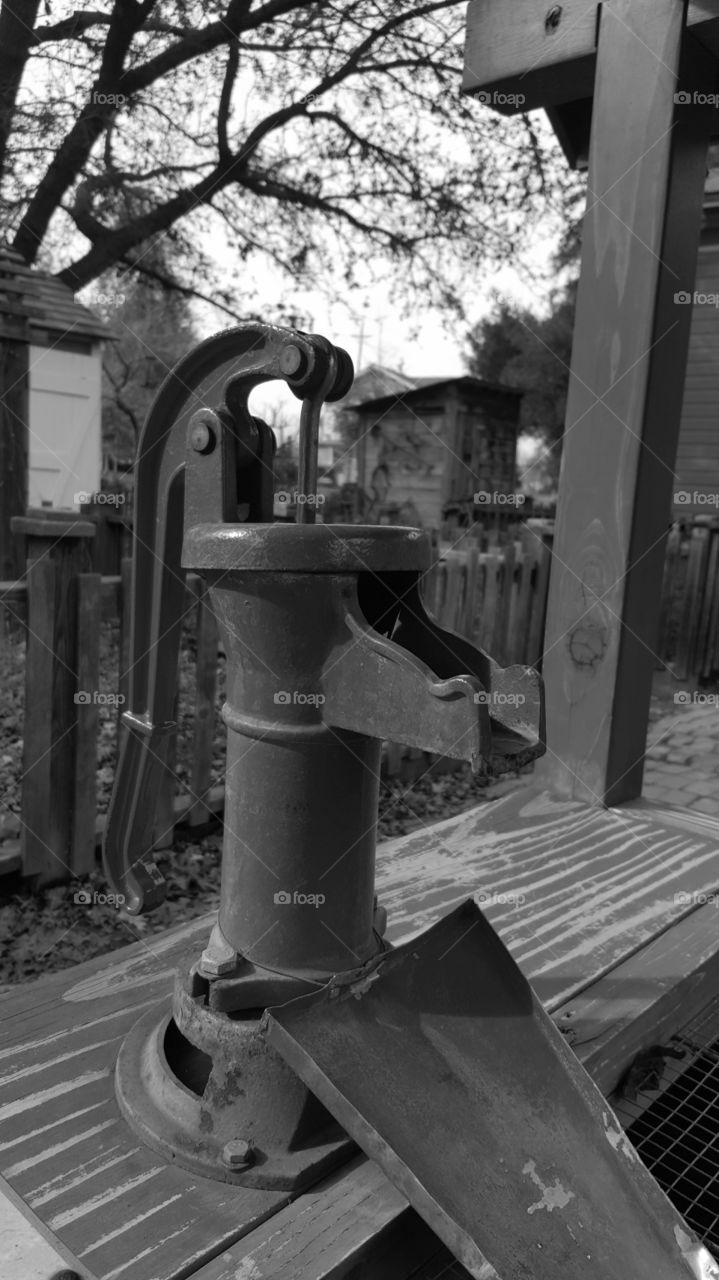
238, 1154
553, 18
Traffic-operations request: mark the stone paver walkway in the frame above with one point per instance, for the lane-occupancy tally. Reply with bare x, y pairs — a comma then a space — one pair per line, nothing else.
682, 758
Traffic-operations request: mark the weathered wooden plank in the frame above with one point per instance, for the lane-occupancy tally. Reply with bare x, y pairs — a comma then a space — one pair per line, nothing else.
451, 602
500, 635
672, 567
37, 733
470, 594
534, 54
535, 638
13, 446
492, 571
329, 1232
596, 886
29, 1250
88, 681
645, 999
125, 622
204, 721
624, 404
685, 663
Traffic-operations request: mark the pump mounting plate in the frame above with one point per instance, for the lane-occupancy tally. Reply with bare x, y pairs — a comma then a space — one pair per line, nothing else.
444, 1067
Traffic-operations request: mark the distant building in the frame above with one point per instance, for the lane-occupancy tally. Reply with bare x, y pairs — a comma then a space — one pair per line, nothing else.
425, 447
63, 381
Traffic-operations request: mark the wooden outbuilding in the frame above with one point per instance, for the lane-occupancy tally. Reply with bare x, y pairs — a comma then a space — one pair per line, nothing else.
51, 388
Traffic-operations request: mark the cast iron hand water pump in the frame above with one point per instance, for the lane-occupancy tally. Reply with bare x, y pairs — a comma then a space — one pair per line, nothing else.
328, 652
298, 1026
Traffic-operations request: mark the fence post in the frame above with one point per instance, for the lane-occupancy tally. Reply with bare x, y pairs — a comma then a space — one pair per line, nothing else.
84, 810
57, 550
205, 684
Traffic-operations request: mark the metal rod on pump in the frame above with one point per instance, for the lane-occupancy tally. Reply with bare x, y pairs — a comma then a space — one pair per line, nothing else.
309, 445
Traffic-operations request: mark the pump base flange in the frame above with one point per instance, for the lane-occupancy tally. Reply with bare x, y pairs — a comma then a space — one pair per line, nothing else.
187, 1103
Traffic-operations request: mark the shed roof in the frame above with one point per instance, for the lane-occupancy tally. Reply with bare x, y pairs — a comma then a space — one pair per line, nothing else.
416, 386
34, 298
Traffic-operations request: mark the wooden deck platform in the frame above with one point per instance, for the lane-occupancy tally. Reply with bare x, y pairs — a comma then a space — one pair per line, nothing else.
603, 910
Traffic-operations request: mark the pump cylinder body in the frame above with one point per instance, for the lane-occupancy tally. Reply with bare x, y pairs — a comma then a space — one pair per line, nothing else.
301, 796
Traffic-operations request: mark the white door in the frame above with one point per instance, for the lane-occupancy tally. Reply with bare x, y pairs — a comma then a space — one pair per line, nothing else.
64, 426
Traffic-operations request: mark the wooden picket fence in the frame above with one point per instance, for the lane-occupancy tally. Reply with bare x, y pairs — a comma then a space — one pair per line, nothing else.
496, 598
61, 822
689, 629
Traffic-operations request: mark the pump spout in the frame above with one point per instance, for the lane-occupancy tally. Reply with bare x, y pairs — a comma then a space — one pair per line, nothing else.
405, 678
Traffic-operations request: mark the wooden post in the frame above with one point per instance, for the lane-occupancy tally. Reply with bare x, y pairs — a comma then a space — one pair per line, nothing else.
57, 552
84, 808
13, 448
204, 735
646, 183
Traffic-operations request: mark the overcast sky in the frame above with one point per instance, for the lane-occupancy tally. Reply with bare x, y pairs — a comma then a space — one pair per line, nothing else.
371, 325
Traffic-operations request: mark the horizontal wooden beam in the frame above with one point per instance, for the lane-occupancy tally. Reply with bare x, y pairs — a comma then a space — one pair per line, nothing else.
531, 53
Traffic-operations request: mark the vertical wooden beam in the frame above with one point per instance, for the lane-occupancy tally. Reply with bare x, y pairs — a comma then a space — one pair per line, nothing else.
58, 550
84, 810
13, 449
641, 232
204, 720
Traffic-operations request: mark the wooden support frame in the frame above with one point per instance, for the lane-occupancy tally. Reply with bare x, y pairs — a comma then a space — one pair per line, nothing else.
641, 232
532, 53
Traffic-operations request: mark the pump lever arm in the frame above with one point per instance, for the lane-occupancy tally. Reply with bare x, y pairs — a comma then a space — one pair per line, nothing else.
229, 364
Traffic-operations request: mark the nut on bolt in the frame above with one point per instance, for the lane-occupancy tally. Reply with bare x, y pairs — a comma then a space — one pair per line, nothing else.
203, 431
238, 1154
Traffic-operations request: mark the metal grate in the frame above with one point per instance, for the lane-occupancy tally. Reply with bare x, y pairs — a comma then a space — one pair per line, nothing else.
668, 1104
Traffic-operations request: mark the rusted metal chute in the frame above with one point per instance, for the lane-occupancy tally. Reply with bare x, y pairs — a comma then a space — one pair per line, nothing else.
289, 1036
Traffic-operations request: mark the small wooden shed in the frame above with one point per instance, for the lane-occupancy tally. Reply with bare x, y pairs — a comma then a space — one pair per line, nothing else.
50, 385
434, 444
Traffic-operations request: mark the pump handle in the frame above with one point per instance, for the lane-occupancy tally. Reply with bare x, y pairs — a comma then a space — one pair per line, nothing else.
217, 376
